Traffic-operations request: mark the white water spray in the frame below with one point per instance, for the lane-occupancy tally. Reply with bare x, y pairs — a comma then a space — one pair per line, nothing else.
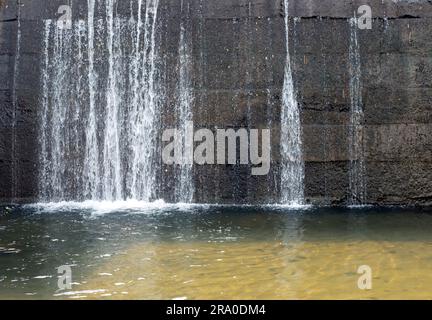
292, 164
357, 168
184, 179
112, 186
100, 106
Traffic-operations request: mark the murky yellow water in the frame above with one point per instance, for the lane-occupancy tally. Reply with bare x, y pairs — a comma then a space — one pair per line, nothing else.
266, 270
216, 253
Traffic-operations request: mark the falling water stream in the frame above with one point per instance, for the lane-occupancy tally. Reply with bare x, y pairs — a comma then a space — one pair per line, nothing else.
91, 158
111, 185
357, 167
144, 118
184, 179
292, 165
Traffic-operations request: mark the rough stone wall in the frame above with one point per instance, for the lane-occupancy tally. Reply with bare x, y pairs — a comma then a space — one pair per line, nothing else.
239, 57
8, 20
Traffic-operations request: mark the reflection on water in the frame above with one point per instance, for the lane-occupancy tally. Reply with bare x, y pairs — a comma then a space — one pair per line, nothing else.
202, 252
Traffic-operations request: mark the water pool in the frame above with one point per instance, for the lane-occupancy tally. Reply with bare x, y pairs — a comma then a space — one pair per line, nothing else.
213, 252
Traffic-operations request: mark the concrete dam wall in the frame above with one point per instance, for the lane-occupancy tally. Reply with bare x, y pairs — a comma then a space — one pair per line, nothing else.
73, 102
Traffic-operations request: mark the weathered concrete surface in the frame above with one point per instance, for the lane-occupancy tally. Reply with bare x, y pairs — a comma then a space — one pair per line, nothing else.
239, 56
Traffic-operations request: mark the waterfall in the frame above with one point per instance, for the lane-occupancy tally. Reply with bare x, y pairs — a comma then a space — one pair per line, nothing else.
45, 171
100, 106
56, 139
184, 179
111, 184
91, 158
144, 116
357, 167
292, 164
